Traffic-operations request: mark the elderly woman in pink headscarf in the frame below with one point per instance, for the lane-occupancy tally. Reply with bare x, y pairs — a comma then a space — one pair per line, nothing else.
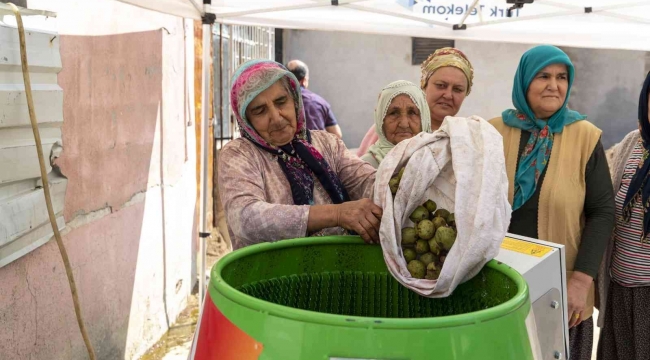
446, 80
281, 180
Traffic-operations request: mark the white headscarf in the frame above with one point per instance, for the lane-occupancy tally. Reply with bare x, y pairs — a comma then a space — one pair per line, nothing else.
388, 93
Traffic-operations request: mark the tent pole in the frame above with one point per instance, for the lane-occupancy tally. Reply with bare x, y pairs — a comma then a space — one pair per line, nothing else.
620, 6
471, 8
559, 4
205, 142
398, 15
221, 84
524, 18
320, 3
197, 6
624, 17
601, 10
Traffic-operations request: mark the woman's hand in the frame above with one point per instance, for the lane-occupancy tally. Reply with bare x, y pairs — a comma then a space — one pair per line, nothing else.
578, 290
361, 216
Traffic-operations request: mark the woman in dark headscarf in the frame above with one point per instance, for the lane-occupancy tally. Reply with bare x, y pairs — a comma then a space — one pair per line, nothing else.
560, 189
624, 278
280, 180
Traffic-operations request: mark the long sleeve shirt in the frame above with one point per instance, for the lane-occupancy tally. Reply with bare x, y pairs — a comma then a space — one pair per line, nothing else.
257, 196
598, 209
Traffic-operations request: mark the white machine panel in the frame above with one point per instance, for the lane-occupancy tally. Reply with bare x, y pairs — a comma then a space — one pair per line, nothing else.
543, 265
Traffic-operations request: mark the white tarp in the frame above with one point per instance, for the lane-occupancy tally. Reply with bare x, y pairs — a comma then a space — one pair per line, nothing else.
185, 8
465, 174
611, 24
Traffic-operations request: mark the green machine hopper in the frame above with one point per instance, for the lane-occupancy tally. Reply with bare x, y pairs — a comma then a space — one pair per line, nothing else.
332, 298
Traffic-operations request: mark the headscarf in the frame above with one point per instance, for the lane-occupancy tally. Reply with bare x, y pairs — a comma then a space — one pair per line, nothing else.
538, 149
299, 159
639, 189
392, 90
447, 57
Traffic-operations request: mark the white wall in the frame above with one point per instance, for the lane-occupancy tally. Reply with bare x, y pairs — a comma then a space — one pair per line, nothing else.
349, 70
607, 89
494, 69
129, 155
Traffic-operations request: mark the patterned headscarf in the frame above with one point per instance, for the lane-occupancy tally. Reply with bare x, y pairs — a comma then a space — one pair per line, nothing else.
538, 149
299, 159
392, 90
639, 189
447, 57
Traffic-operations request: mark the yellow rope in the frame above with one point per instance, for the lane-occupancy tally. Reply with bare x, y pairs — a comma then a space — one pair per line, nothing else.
46, 187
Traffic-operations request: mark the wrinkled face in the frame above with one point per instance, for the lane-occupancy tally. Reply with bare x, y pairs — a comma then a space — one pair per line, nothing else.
402, 120
547, 91
273, 115
445, 91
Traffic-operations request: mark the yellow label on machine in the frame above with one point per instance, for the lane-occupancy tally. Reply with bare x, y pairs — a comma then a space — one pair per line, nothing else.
525, 247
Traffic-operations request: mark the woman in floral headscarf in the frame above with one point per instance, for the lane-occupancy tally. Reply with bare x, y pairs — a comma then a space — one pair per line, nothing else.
280, 180
400, 114
560, 189
446, 79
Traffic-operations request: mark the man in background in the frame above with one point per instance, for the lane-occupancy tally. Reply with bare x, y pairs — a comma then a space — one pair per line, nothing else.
318, 112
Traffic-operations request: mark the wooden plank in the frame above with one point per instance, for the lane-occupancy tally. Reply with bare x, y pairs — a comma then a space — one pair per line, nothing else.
198, 68
211, 168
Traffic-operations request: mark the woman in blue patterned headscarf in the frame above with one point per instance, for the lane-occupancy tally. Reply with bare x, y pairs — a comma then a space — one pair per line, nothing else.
560, 189
549, 116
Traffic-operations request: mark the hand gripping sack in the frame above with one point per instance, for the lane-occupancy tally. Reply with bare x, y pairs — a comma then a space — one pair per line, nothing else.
462, 168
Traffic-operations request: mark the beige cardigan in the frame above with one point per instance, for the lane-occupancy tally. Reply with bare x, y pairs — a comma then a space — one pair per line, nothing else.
621, 153
562, 196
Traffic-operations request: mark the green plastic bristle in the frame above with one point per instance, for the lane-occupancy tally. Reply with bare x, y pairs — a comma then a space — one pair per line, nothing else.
374, 294
302, 277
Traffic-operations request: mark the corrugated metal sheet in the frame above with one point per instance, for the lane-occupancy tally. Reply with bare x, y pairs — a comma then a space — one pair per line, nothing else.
24, 223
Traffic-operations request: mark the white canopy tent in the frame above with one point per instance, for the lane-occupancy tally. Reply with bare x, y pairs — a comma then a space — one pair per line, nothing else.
606, 24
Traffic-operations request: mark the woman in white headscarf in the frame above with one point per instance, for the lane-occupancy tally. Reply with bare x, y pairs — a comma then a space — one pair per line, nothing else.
401, 113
